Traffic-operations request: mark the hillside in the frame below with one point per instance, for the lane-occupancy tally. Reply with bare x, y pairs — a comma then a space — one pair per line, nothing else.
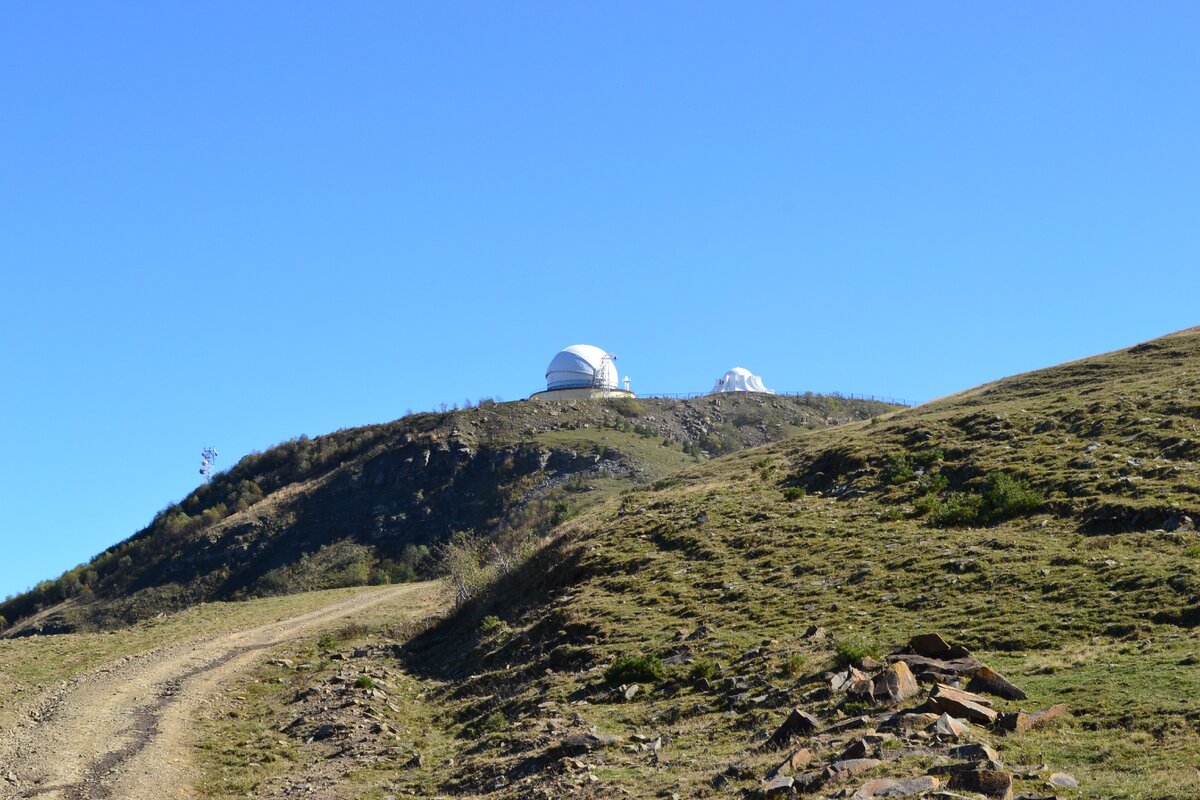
368, 505
684, 638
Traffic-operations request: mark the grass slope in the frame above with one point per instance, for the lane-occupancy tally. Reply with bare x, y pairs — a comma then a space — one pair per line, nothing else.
1083, 596
366, 505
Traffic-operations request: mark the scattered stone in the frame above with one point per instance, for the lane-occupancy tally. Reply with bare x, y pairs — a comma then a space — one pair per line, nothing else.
975, 752
992, 782
930, 645
416, 762
949, 727
588, 741
891, 787
780, 786
847, 679
1063, 779
858, 748
798, 723
894, 685
799, 759
853, 723
952, 666
988, 680
909, 721
848, 768
630, 691
964, 705
1019, 721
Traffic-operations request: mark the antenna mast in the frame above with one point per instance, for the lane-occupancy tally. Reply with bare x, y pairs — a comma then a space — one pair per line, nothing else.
208, 463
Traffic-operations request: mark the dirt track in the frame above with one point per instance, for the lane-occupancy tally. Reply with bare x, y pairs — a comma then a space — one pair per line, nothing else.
122, 731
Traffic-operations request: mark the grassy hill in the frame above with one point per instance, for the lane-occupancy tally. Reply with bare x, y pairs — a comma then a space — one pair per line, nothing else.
1045, 522
368, 505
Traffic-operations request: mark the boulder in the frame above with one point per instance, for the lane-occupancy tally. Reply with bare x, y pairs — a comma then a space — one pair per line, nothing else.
909, 721
1019, 721
950, 666
988, 680
780, 786
1063, 779
858, 748
798, 723
847, 679
799, 759
991, 782
975, 752
949, 727
964, 705
892, 787
930, 645
894, 685
848, 768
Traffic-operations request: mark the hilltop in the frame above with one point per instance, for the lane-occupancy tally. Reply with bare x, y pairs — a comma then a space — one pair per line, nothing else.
996, 594
669, 640
369, 505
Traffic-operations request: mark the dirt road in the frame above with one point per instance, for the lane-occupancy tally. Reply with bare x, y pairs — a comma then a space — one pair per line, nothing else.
122, 731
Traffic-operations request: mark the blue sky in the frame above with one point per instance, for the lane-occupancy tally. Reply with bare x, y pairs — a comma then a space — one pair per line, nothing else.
234, 223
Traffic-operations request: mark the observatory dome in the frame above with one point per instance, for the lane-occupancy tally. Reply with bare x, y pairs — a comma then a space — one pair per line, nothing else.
740, 379
581, 366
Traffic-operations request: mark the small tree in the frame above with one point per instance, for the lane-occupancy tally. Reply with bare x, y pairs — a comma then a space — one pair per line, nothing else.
464, 560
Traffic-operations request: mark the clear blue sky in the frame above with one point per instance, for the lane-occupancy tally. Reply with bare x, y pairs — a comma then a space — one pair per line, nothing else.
233, 223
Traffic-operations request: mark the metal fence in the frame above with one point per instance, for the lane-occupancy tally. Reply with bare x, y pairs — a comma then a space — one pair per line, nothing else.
839, 395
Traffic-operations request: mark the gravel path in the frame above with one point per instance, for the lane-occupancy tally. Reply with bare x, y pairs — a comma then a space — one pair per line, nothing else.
122, 731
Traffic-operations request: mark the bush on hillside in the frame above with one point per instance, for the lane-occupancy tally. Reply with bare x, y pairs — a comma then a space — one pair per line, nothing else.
897, 468
854, 649
626, 406
635, 669
1003, 497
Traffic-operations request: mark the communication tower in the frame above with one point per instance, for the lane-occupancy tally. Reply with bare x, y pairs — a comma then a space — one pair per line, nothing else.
208, 463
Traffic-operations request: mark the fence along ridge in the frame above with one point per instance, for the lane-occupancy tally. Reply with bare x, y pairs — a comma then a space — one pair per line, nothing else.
838, 395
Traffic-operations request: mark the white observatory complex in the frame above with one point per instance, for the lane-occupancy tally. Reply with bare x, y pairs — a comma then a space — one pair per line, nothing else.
582, 372
740, 379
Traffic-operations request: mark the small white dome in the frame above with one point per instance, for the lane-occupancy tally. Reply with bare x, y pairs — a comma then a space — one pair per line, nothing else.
740, 379
581, 366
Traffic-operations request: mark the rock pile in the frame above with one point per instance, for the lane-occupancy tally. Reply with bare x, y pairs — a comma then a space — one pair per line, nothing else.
933, 736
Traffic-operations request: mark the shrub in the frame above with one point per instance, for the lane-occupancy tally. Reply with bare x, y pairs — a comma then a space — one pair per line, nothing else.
794, 492
463, 560
490, 623
1006, 497
561, 512
959, 508
493, 723
626, 407
326, 642
897, 468
792, 665
635, 669
703, 669
364, 682
1003, 497
854, 649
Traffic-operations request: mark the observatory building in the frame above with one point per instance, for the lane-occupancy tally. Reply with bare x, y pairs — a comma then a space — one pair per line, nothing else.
582, 372
740, 379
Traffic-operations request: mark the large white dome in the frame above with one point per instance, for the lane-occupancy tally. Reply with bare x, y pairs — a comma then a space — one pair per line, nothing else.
740, 379
581, 366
